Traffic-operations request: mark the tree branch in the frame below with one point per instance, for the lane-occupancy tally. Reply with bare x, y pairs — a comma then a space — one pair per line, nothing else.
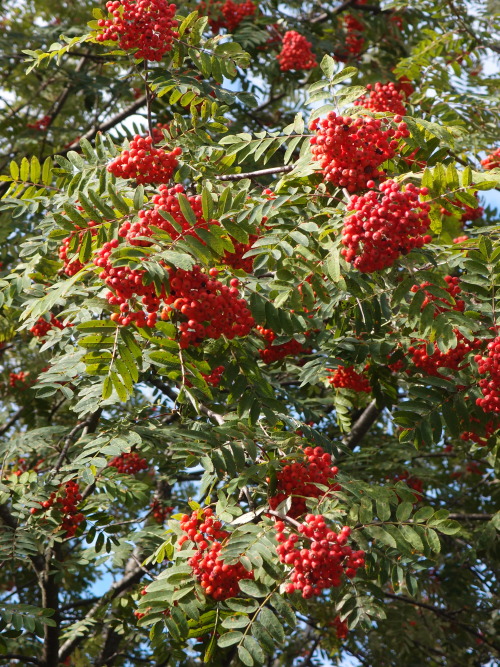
260, 172
362, 425
12, 420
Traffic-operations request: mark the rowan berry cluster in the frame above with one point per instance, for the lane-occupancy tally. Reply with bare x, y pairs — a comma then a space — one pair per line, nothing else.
341, 628
157, 132
460, 239
453, 290
236, 260
383, 97
72, 264
490, 385
19, 380
41, 124
354, 40
276, 352
145, 25
226, 15
296, 53
128, 284
492, 161
351, 150
67, 500
480, 438
144, 163
453, 359
411, 482
345, 377
470, 213
385, 226
299, 480
322, 565
219, 580
129, 464
208, 308
215, 376
42, 327
159, 511
166, 201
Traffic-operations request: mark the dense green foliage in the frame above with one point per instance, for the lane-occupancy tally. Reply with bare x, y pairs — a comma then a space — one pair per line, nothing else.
417, 456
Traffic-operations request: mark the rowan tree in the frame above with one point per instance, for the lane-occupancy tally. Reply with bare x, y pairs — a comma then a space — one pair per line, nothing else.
250, 376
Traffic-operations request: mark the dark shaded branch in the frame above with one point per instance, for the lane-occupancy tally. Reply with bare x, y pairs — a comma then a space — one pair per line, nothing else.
12, 420
470, 517
362, 425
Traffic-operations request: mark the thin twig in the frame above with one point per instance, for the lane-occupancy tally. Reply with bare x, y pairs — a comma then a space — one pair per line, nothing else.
260, 172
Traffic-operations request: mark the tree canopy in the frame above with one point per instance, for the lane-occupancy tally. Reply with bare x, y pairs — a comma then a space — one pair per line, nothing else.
250, 360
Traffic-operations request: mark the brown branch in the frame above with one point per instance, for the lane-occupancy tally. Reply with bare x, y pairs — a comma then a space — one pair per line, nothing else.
12, 420
362, 425
260, 172
334, 12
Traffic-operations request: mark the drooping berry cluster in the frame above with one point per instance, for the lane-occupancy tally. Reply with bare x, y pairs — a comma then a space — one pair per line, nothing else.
299, 480
276, 352
41, 124
207, 308
159, 511
296, 53
385, 226
71, 262
144, 163
130, 463
67, 500
383, 97
322, 565
19, 380
166, 201
453, 359
236, 260
341, 628
492, 161
354, 40
42, 327
145, 25
453, 290
469, 214
412, 482
226, 15
482, 433
351, 150
215, 376
220, 580
490, 385
345, 377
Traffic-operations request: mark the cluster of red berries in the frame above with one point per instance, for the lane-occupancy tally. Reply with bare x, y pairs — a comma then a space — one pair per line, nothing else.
341, 628
157, 132
41, 124
383, 97
385, 226
144, 163
219, 580
299, 480
490, 385
296, 53
345, 377
351, 150
42, 327
469, 214
460, 239
209, 308
480, 439
166, 201
276, 352
67, 501
19, 380
411, 482
215, 376
492, 161
453, 359
159, 511
354, 40
130, 463
453, 290
127, 284
236, 260
321, 565
72, 264
145, 25
226, 15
